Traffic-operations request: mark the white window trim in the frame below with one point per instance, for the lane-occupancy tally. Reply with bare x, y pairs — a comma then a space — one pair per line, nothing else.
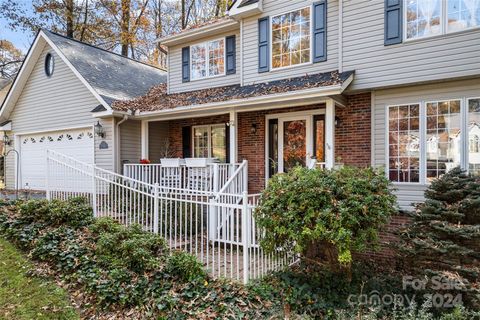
271, 40
443, 24
423, 137
209, 139
207, 60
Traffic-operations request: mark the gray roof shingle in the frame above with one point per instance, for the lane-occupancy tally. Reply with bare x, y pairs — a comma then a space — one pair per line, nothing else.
114, 77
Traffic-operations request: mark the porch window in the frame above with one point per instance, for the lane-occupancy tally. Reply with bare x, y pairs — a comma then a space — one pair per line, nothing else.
210, 142
425, 18
404, 143
291, 38
207, 59
443, 137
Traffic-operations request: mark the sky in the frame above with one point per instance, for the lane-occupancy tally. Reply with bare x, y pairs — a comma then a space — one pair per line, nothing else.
20, 39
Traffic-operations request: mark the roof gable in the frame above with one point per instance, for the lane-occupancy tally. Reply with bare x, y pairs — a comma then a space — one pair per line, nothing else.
108, 76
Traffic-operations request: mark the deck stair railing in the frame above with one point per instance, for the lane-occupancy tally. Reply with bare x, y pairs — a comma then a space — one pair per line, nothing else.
218, 227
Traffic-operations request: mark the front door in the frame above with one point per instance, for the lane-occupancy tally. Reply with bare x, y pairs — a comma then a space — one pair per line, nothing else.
292, 143
295, 140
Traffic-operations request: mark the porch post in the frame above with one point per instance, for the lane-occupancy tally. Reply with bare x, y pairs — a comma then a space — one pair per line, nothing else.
233, 136
144, 135
330, 134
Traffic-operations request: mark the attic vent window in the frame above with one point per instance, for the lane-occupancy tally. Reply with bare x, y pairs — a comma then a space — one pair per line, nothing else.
49, 64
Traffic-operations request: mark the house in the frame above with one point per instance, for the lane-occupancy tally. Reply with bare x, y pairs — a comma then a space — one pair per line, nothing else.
53, 104
285, 82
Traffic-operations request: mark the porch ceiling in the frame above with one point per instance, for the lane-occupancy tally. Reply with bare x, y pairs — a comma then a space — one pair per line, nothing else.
308, 86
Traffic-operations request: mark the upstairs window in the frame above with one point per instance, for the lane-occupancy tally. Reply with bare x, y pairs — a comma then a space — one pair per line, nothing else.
424, 18
207, 59
291, 38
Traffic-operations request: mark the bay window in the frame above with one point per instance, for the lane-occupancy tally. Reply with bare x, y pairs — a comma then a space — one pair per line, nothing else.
210, 142
291, 38
425, 18
207, 59
427, 140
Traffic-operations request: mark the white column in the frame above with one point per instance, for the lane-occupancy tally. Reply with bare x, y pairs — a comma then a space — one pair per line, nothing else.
233, 136
330, 134
144, 134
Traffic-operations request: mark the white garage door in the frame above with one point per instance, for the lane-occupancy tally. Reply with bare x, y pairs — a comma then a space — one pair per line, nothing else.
33, 152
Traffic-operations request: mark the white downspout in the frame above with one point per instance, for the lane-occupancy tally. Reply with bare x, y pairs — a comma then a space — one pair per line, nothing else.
117, 143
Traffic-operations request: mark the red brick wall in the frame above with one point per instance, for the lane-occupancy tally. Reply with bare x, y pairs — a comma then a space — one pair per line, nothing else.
353, 134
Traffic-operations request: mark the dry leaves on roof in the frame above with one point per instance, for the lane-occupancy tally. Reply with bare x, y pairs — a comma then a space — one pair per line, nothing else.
158, 99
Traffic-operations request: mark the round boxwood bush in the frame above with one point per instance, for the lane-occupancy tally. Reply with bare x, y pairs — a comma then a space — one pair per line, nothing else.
325, 214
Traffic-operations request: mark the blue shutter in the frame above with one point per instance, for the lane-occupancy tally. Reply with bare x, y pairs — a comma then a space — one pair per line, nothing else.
320, 31
186, 64
263, 44
393, 22
231, 54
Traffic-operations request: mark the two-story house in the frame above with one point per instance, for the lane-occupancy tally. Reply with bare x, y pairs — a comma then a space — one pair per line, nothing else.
383, 83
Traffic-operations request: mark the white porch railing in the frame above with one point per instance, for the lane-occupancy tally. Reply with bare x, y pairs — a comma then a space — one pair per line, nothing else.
211, 177
217, 227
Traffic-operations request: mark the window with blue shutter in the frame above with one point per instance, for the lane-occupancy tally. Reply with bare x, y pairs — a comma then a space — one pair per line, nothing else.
231, 55
186, 64
320, 31
263, 45
393, 22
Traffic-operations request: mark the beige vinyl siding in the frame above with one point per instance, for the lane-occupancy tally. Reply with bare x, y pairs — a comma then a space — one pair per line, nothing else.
55, 103
130, 141
408, 193
158, 141
273, 8
104, 158
175, 68
443, 57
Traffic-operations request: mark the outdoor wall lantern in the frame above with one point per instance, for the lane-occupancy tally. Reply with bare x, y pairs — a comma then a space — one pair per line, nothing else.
6, 139
337, 121
230, 123
253, 128
99, 130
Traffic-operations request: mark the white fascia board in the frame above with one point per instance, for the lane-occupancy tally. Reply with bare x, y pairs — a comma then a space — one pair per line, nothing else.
75, 71
110, 113
274, 98
22, 76
245, 11
197, 33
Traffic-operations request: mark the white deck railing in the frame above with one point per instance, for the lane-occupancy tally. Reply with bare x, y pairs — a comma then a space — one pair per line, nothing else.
217, 227
210, 177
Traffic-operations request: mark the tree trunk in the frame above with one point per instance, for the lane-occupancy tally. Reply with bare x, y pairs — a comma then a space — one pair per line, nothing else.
69, 6
125, 27
184, 9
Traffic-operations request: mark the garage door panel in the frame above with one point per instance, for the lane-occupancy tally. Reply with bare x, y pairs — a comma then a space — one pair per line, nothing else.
77, 144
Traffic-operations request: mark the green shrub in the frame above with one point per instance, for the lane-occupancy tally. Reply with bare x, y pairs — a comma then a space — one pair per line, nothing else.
130, 247
184, 266
337, 211
443, 239
75, 212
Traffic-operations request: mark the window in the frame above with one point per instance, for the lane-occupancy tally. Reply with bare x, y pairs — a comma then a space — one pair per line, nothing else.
474, 135
433, 17
49, 64
443, 137
404, 143
291, 38
463, 14
210, 142
207, 59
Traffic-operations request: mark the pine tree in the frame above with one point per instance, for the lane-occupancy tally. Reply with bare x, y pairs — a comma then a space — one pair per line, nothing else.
444, 236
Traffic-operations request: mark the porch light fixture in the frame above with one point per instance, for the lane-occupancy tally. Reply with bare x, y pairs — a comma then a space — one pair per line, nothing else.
253, 128
337, 121
6, 139
99, 130
230, 123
